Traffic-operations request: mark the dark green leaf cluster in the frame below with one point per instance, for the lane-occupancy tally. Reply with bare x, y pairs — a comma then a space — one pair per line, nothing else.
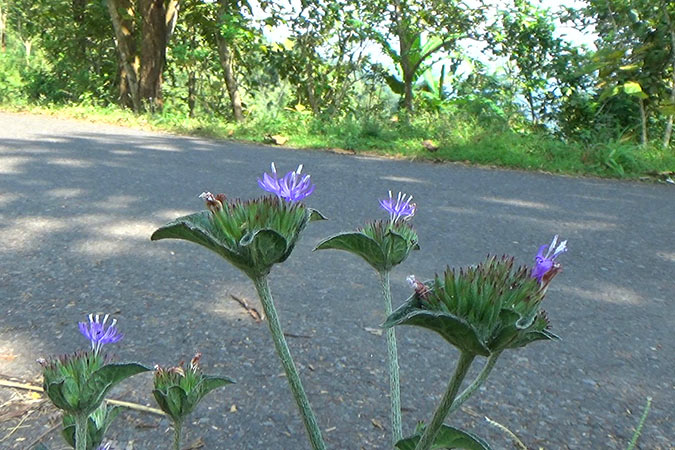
252, 235
178, 390
381, 244
448, 437
480, 309
98, 423
78, 383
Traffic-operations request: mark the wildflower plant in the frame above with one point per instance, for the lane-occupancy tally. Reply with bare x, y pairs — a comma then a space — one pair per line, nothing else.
178, 390
253, 236
482, 310
383, 245
77, 383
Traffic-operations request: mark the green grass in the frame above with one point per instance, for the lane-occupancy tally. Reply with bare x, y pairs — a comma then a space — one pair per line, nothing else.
459, 138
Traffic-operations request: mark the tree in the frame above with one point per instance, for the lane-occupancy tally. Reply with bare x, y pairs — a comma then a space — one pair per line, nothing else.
141, 71
419, 29
635, 54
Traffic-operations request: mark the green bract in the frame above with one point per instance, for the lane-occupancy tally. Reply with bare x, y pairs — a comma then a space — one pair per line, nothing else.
78, 383
448, 437
97, 425
252, 235
481, 309
382, 244
178, 390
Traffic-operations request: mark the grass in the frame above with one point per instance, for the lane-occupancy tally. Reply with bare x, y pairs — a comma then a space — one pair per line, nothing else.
458, 137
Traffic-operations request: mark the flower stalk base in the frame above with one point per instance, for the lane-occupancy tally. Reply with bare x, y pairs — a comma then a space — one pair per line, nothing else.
463, 365
291, 371
394, 382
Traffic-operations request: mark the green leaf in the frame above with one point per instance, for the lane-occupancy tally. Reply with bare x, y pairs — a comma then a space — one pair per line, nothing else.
267, 246
399, 248
397, 86
103, 379
200, 229
448, 438
453, 329
633, 88
315, 215
357, 243
211, 382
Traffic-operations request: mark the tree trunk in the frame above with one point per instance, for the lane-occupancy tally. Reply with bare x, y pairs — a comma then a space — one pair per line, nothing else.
669, 124
122, 16
3, 22
28, 46
153, 53
643, 123
408, 87
227, 63
192, 91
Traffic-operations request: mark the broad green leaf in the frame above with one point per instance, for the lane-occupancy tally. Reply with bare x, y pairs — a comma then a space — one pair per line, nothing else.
103, 379
400, 248
633, 88
448, 438
211, 382
358, 244
266, 246
200, 229
453, 329
397, 86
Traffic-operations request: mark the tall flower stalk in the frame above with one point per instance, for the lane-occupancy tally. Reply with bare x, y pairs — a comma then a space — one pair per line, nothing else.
281, 347
384, 245
253, 236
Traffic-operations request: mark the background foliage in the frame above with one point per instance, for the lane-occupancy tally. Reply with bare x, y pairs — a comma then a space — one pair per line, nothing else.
497, 84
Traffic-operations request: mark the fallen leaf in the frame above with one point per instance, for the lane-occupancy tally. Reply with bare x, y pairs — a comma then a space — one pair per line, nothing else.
377, 424
375, 331
233, 408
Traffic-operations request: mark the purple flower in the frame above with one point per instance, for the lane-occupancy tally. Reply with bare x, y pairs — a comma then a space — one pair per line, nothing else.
97, 332
292, 187
401, 208
544, 263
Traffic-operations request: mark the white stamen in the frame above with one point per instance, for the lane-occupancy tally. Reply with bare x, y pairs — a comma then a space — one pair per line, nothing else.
299, 169
411, 280
274, 169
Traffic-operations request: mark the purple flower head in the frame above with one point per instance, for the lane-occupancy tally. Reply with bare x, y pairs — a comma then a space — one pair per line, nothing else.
400, 208
292, 187
97, 332
545, 262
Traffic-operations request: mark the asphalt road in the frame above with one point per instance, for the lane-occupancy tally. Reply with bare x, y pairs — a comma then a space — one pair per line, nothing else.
78, 202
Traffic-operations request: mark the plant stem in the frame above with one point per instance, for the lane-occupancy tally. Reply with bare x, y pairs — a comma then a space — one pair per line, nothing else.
480, 379
284, 353
392, 352
427, 440
81, 431
177, 433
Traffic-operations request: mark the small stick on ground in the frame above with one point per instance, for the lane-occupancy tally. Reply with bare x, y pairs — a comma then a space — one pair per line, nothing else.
249, 309
517, 441
129, 405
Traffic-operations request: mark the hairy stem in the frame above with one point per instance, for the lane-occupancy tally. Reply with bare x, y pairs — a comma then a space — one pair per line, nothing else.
431, 431
177, 434
392, 352
480, 379
284, 353
81, 422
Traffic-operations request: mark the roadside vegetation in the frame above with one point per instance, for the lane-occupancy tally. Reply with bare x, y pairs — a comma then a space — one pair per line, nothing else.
363, 77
